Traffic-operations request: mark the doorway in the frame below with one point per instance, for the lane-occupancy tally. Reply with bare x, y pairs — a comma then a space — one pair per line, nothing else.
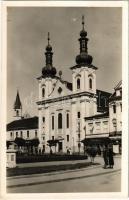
60, 146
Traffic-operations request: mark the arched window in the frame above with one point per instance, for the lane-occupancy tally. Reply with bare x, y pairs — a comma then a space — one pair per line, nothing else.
52, 122
78, 114
43, 92
114, 108
90, 83
59, 121
78, 83
67, 120
27, 134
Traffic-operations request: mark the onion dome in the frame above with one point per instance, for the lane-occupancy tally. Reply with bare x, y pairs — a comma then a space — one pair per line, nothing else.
83, 57
49, 70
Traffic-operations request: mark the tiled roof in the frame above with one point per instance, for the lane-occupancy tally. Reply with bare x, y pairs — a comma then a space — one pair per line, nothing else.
23, 124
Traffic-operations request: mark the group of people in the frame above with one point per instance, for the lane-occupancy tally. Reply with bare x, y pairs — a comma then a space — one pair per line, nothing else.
108, 156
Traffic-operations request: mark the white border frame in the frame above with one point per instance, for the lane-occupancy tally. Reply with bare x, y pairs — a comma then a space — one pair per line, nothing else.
124, 180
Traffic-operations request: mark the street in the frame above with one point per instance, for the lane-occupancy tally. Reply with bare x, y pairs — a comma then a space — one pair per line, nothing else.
91, 179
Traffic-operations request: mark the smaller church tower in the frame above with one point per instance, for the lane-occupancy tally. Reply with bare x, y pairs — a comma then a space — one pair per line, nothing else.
18, 107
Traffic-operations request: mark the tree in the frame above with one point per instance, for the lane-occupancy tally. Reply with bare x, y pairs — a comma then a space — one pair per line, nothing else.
34, 144
52, 143
19, 141
92, 152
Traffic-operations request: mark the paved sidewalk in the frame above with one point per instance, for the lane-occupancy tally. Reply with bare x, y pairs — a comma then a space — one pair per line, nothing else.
91, 171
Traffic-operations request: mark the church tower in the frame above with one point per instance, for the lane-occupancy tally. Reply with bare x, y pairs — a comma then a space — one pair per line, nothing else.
18, 107
46, 85
84, 73
84, 89
48, 73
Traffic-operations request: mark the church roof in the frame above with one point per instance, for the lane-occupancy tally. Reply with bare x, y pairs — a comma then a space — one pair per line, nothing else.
68, 84
17, 104
23, 124
98, 116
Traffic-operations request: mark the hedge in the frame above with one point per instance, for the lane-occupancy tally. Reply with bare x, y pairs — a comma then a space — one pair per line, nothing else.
47, 158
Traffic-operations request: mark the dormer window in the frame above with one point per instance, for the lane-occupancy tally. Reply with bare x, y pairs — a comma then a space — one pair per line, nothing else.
78, 83
43, 92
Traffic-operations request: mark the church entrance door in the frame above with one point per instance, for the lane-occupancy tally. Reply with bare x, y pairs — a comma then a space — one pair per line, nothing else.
60, 146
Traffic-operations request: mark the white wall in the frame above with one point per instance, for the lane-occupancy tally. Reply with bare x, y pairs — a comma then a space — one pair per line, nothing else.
24, 133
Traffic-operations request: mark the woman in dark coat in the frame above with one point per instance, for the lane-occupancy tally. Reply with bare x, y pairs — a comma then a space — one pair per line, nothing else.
105, 156
110, 156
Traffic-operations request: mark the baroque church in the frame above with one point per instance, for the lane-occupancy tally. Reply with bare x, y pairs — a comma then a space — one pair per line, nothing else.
64, 106
72, 113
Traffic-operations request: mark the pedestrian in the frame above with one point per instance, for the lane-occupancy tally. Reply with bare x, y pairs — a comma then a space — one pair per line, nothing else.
105, 156
110, 155
51, 152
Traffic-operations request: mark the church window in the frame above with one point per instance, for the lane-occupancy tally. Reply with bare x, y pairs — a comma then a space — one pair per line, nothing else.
27, 133
90, 83
114, 108
43, 92
78, 114
78, 83
43, 119
67, 138
52, 137
59, 121
67, 120
52, 122
59, 90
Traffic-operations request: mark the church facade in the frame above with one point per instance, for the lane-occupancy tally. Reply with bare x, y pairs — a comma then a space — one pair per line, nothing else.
63, 106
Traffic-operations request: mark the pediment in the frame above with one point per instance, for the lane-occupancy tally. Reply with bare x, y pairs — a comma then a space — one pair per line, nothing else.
60, 89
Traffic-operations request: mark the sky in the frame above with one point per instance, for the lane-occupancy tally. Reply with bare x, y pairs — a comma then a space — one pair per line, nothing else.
27, 30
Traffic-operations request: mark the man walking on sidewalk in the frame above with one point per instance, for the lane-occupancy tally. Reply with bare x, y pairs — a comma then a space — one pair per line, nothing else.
105, 156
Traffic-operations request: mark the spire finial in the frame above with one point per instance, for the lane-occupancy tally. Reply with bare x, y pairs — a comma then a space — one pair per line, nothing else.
48, 37
83, 23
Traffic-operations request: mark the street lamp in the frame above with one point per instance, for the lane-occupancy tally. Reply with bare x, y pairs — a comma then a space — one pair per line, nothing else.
85, 139
79, 136
73, 143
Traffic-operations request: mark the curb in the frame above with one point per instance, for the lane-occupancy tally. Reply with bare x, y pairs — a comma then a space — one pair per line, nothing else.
60, 180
